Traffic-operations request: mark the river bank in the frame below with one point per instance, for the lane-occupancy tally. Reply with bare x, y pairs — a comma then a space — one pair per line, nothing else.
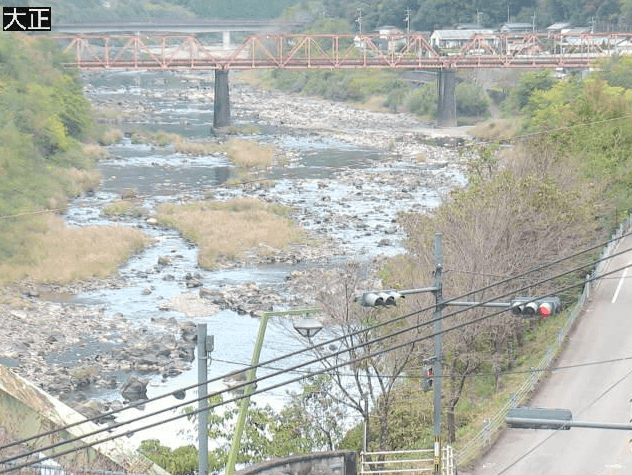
69, 347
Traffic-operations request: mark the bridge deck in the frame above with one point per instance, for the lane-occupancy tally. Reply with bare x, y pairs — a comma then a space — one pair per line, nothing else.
294, 51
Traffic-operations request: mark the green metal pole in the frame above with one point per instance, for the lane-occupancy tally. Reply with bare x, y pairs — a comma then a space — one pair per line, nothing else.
438, 351
248, 390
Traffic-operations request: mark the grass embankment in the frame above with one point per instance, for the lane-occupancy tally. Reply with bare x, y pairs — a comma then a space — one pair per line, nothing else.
44, 162
230, 230
569, 183
53, 252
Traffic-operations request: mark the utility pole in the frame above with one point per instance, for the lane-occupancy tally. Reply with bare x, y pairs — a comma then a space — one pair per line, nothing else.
438, 349
407, 20
250, 388
359, 20
204, 348
525, 307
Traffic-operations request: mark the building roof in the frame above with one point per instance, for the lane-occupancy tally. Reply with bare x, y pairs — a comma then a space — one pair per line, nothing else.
459, 34
558, 26
516, 26
468, 26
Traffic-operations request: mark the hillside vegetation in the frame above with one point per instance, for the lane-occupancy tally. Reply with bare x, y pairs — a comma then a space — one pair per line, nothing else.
419, 15
43, 162
564, 186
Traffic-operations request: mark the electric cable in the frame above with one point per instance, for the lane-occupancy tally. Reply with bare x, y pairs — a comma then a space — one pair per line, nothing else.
364, 330
556, 431
277, 385
358, 332
448, 375
323, 344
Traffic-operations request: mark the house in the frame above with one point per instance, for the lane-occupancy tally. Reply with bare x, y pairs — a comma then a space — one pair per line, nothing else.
516, 28
388, 30
468, 26
455, 39
558, 28
391, 38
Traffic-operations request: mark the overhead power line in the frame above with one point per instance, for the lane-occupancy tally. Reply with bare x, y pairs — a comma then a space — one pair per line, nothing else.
333, 340
356, 333
274, 386
539, 444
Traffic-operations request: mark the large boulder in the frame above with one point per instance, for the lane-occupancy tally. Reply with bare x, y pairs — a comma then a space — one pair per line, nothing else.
134, 389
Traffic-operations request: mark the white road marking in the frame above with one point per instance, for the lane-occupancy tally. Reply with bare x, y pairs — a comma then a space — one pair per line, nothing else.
616, 292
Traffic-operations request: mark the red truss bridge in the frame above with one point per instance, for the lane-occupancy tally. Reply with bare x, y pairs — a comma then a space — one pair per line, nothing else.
297, 51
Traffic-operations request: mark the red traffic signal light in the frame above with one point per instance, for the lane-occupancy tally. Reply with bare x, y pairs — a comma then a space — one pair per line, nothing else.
549, 306
528, 306
426, 383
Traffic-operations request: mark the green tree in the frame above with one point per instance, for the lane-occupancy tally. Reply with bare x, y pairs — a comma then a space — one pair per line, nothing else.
471, 100
617, 71
179, 461
528, 84
423, 101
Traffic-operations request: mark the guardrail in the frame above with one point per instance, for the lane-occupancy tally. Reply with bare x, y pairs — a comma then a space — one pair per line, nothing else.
406, 462
492, 426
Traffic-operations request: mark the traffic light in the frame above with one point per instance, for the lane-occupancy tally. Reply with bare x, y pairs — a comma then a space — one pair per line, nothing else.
426, 382
380, 299
529, 307
549, 306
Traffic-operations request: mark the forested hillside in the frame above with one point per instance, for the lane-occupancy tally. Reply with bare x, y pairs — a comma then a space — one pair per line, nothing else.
424, 15
44, 119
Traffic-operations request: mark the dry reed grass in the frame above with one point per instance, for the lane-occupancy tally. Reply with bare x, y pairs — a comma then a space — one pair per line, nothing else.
495, 130
59, 254
95, 152
230, 230
374, 103
110, 136
123, 208
196, 148
78, 180
250, 154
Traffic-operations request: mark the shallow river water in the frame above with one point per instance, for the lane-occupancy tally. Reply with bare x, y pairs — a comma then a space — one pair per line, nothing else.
323, 181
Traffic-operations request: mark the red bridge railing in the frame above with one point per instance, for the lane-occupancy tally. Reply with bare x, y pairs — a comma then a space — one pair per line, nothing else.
296, 51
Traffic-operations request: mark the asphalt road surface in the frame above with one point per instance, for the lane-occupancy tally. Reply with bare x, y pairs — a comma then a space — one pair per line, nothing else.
596, 392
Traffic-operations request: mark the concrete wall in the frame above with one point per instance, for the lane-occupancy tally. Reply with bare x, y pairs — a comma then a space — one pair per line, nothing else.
317, 463
26, 410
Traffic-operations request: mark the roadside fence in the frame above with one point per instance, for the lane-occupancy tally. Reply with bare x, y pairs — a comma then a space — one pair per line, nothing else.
493, 425
408, 462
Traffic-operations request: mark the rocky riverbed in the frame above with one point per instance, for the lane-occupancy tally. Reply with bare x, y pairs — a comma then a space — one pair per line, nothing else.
72, 348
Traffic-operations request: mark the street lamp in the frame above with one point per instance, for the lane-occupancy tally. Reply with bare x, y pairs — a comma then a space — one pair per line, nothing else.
308, 327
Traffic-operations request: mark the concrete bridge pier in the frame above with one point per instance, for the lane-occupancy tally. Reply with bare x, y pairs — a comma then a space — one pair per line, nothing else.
446, 105
221, 105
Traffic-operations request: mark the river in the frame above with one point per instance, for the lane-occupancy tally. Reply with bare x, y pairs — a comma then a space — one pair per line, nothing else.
348, 191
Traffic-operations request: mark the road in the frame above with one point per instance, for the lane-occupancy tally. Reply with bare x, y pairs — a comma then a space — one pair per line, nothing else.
599, 392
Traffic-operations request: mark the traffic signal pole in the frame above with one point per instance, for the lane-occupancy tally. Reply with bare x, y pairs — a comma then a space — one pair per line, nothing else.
438, 349
520, 306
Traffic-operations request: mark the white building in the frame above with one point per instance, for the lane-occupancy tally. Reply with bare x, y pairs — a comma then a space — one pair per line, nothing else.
455, 39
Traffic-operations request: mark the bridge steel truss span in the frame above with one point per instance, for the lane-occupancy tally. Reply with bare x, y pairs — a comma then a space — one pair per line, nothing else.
328, 51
